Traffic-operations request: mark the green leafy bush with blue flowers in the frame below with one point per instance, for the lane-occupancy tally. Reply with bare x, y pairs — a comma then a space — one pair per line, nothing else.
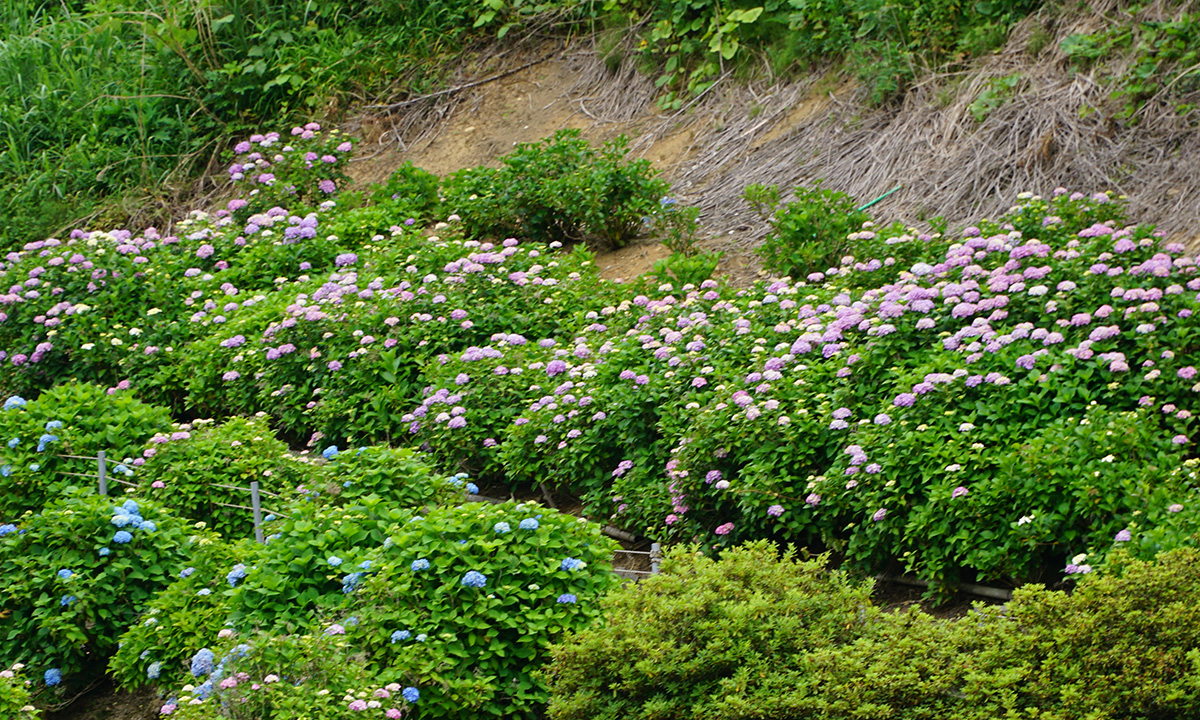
186, 614
77, 574
69, 419
463, 603
257, 676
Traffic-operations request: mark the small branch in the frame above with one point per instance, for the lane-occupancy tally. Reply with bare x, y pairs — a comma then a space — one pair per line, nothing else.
459, 88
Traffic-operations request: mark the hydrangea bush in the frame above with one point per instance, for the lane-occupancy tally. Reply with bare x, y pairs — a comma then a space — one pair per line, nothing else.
186, 469
70, 419
77, 574
463, 603
264, 677
15, 696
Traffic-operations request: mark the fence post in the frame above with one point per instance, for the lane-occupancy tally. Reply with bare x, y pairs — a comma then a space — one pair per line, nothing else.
254, 503
102, 472
655, 557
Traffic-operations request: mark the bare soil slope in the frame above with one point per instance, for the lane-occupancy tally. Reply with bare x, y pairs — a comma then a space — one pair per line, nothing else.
1058, 128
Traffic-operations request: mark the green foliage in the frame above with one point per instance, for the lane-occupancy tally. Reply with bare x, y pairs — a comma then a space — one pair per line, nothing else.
186, 470
753, 635
183, 617
687, 269
412, 188
810, 233
558, 190
471, 648
707, 638
280, 677
73, 587
70, 419
15, 696
1124, 641
677, 226
998, 91
763, 198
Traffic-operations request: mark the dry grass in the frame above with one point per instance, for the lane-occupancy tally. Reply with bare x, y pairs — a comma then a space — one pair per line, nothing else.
1058, 128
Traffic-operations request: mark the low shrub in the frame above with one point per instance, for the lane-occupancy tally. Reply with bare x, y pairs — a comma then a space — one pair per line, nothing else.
558, 190
810, 233
463, 603
708, 638
1122, 645
70, 419
192, 469
15, 696
273, 170
77, 575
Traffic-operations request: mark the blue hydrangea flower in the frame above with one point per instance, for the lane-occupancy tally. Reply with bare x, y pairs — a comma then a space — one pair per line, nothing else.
45, 440
400, 635
187, 571
411, 694
365, 564
121, 519
7, 529
529, 524
567, 599
13, 402
122, 537
154, 670
53, 676
53, 425
421, 637
147, 526
67, 600
237, 574
34, 467
202, 663
14, 442
330, 452
65, 574
501, 527
571, 564
6, 470
420, 564
351, 582
131, 507
269, 518
103, 551
203, 591
204, 689
334, 560
472, 489
474, 579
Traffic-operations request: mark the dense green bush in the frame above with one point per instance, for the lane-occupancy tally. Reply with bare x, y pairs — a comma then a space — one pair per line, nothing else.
186, 469
1122, 645
180, 619
77, 575
759, 635
463, 603
558, 190
15, 695
713, 639
70, 419
810, 234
